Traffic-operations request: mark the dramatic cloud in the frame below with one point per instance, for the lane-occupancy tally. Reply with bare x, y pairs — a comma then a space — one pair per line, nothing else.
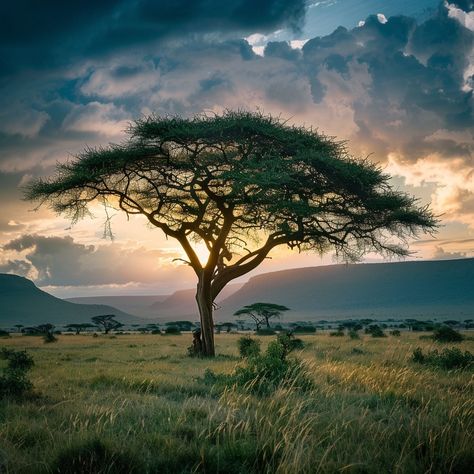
400, 91
59, 261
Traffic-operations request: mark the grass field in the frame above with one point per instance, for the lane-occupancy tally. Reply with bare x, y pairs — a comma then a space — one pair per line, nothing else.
138, 404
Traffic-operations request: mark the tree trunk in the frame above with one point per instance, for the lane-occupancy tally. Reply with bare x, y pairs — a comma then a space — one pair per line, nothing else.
204, 302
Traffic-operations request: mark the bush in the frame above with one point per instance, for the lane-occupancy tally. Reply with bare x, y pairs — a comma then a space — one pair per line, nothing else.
354, 334
264, 373
375, 331
14, 381
290, 342
395, 333
265, 332
156, 331
447, 334
304, 330
94, 457
172, 330
248, 347
49, 337
337, 333
448, 359
4, 333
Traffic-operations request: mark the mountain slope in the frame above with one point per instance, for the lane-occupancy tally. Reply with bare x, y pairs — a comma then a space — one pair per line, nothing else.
426, 289
137, 305
182, 303
21, 302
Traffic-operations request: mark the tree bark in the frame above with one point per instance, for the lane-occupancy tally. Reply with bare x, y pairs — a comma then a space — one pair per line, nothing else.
204, 302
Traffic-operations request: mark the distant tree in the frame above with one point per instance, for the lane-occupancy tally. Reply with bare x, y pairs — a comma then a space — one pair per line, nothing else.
107, 322
78, 327
468, 323
232, 181
182, 325
228, 326
262, 312
19, 327
47, 331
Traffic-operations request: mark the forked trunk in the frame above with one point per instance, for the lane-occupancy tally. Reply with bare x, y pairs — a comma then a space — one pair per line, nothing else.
204, 302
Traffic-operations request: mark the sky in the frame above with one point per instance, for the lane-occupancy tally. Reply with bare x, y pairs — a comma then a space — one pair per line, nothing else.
394, 78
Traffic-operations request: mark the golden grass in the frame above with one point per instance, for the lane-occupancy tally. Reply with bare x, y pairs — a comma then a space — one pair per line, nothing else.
371, 410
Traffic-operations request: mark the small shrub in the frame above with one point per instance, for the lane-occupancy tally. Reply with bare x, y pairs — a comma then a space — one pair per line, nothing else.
337, 333
264, 373
395, 332
418, 355
304, 330
14, 381
448, 359
4, 333
156, 331
447, 334
94, 457
265, 332
172, 330
248, 347
290, 342
357, 350
375, 331
354, 334
49, 337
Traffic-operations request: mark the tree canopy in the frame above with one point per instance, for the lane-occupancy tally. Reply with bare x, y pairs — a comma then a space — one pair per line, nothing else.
242, 183
262, 312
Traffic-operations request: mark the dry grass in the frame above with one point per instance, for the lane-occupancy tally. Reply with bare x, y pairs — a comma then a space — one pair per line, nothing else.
371, 410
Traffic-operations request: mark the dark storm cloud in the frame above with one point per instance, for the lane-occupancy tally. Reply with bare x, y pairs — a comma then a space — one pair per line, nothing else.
60, 261
52, 33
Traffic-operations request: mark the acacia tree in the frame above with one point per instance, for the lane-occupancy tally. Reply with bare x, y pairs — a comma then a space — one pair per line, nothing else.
107, 322
262, 312
242, 183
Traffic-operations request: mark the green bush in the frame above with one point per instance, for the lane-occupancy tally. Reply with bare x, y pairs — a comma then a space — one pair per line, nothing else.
375, 331
94, 457
265, 332
447, 334
337, 333
448, 359
290, 342
248, 347
354, 334
4, 333
14, 381
395, 332
264, 373
172, 330
49, 337
304, 330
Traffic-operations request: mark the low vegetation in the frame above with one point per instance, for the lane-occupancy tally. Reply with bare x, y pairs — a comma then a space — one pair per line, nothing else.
448, 358
14, 381
138, 403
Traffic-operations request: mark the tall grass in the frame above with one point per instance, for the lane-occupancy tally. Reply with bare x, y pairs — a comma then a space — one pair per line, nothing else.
137, 403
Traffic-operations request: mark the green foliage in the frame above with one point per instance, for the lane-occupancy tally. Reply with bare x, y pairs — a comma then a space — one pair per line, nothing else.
447, 334
95, 457
4, 333
107, 321
264, 373
14, 381
448, 359
49, 337
248, 347
265, 332
375, 331
353, 334
306, 329
172, 330
337, 333
395, 332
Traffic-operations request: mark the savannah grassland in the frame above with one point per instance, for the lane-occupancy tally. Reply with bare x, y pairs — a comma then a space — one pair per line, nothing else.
141, 405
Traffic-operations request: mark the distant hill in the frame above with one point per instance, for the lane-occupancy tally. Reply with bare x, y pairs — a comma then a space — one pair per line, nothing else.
425, 289
21, 302
137, 305
182, 304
